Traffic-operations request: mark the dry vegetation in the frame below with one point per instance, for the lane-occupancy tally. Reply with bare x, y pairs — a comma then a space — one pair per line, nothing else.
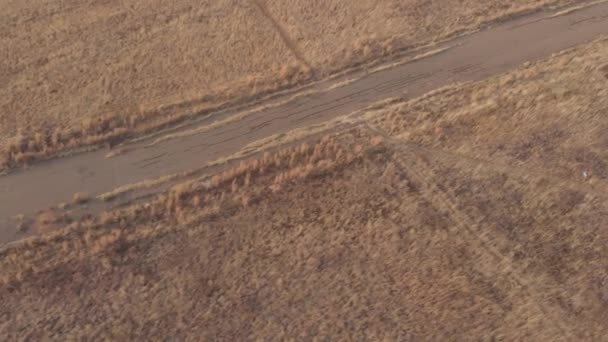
336, 34
477, 212
549, 117
87, 74
368, 241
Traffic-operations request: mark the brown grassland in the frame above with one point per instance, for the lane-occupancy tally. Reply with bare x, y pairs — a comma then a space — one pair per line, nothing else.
472, 213
333, 34
549, 116
85, 73
76, 74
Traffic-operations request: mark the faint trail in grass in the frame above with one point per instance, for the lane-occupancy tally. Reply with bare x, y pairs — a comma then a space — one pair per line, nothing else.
293, 47
413, 163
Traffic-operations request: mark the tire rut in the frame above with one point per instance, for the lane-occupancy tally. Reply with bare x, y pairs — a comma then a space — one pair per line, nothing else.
261, 5
420, 170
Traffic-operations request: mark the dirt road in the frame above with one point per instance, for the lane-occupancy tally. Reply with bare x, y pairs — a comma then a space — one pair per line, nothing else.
474, 57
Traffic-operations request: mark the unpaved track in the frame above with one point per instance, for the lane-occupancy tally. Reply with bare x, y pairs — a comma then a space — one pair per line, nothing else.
473, 57
422, 174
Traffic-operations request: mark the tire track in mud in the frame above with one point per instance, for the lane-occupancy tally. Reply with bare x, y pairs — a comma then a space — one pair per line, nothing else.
401, 83
514, 27
384, 87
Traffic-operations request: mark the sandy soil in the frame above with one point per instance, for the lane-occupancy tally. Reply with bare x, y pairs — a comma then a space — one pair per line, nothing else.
461, 215
84, 74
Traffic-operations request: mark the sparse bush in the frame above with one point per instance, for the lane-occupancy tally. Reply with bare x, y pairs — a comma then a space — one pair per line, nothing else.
49, 220
80, 198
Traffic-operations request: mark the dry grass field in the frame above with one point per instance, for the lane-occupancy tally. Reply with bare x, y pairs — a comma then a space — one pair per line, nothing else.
72, 70
477, 212
336, 34
76, 74
550, 116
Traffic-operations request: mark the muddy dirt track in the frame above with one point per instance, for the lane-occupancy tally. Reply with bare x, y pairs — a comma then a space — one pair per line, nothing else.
473, 57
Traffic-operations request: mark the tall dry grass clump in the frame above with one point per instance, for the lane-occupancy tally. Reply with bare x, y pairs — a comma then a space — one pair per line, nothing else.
26, 148
365, 50
246, 183
50, 220
80, 198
